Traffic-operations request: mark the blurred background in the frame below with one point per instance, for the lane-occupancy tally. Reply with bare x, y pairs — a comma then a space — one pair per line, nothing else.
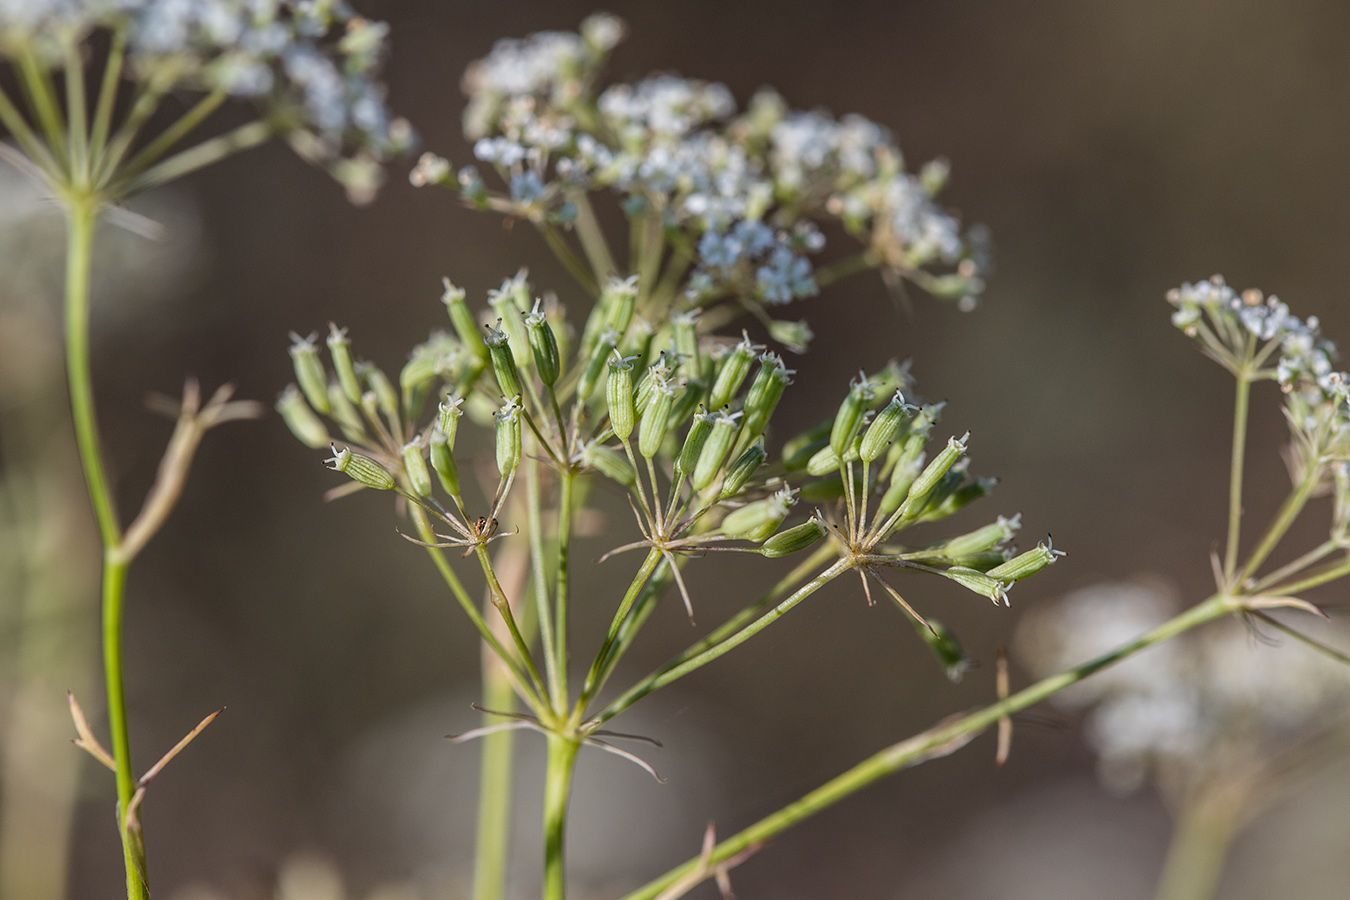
1114, 150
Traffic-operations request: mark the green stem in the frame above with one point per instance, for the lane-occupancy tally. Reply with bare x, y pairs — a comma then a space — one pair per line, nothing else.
1244, 389
935, 742
42, 97
83, 222
665, 675
493, 839
574, 266
107, 94
849, 265
592, 683
562, 757
503, 605
565, 501
1288, 513
32, 145
425, 532
1329, 572
78, 125
174, 133
593, 241
199, 156
557, 691
1199, 846
1298, 565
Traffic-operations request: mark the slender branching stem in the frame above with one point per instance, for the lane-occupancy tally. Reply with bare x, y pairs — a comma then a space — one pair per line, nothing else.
107, 94
78, 113
1293, 505
499, 600
32, 145
37, 85
665, 675
204, 154
174, 133
849, 265
1329, 572
940, 740
143, 107
592, 237
1230, 556
1317, 553
592, 683
574, 266
428, 536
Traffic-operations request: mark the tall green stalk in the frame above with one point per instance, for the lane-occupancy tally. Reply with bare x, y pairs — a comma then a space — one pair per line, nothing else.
562, 757
83, 215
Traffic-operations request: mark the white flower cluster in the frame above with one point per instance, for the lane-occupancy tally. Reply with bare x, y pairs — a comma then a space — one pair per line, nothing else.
311, 63
1231, 325
1184, 707
748, 190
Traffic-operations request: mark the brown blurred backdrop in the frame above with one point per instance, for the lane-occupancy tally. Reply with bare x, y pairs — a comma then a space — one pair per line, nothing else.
1114, 150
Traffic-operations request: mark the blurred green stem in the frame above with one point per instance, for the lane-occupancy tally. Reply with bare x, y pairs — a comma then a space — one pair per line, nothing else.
1200, 842
83, 215
944, 738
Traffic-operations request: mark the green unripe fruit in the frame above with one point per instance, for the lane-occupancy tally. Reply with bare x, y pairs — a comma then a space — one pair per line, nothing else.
740, 471
503, 360
301, 420
462, 320
443, 461
339, 349
716, 449
507, 422
656, 418
309, 372
795, 539
619, 397
415, 464
735, 366
884, 428
547, 361
362, 469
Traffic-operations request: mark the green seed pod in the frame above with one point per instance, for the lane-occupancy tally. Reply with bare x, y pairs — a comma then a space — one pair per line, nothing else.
595, 366
608, 462
946, 648
443, 461
508, 437
884, 428
503, 360
415, 464
511, 320
826, 460
386, 398
757, 521
923, 486
361, 469
716, 448
961, 494
689, 400
620, 299
637, 343
685, 327
765, 392
447, 418
850, 415
739, 472
547, 361
796, 336
656, 419
659, 372
619, 396
301, 420
798, 451
989, 585
823, 490
902, 477
339, 349
796, 538
693, 443
309, 372
1024, 565
462, 320
982, 539
347, 416
735, 366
